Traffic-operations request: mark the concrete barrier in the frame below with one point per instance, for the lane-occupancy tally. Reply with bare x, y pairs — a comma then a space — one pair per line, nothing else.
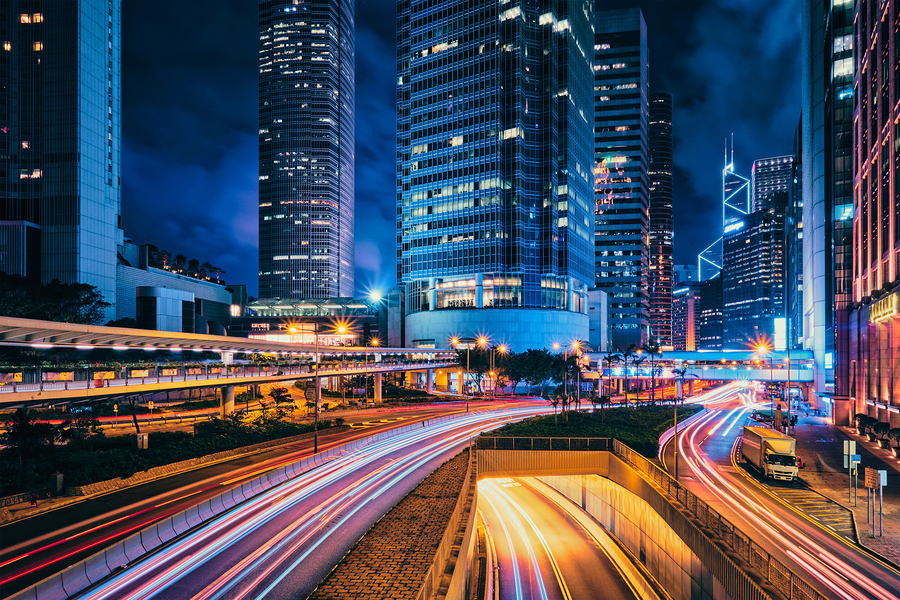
150, 538
75, 579
115, 556
165, 529
179, 523
204, 509
133, 547
50, 589
192, 516
96, 568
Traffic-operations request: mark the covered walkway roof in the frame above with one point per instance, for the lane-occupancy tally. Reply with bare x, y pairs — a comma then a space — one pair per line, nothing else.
49, 335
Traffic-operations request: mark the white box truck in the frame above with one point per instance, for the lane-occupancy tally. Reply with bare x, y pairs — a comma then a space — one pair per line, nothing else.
773, 453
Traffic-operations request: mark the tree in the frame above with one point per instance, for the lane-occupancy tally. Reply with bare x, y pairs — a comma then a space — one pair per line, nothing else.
611, 358
894, 434
653, 349
179, 263
881, 429
126, 322
479, 363
602, 400
29, 437
514, 367
61, 302
84, 428
280, 394
626, 356
193, 267
554, 402
538, 363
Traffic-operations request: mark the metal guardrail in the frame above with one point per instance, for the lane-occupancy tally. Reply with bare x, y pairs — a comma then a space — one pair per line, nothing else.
82, 380
789, 584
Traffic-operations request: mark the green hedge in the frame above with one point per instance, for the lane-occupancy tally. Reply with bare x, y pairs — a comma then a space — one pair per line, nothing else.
638, 428
114, 458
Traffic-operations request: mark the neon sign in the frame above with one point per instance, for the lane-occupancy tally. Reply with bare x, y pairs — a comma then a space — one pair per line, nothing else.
884, 308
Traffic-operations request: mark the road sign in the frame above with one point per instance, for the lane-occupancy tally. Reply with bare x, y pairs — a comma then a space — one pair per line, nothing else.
849, 446
855, 458
310, 392
875, 478
151, 404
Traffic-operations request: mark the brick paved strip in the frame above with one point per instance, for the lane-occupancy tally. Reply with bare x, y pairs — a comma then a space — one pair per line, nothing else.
393, 557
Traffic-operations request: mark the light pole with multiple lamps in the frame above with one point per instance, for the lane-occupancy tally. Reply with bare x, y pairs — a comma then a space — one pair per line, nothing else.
762, 350
374, 342
576, 345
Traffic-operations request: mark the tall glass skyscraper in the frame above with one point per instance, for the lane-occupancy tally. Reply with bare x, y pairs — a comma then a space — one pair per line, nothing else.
494, 155
60, 132
621, 155
306, 155
662, 227
769, 175
827, 186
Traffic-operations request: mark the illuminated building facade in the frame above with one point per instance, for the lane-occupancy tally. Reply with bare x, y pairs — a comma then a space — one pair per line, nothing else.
494, 156
753, 274
685, 304
709, 315
828, 99
769, 175
621, 155
793, 249
874, 346
60, 139
662, 226
306, 148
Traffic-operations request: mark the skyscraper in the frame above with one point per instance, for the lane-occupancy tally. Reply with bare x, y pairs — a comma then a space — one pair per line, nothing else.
827, 96
753, 274
874, 322
621, 155
306, 154
494, 202
769, 175
60, 140
661, 224
793, 249
685, 306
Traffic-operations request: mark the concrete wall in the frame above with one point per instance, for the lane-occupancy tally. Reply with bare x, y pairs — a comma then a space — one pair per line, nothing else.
633, 521
128, 279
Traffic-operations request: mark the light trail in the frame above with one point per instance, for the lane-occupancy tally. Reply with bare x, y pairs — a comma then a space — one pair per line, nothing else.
734, 422
150, 576
512, 550
825, 566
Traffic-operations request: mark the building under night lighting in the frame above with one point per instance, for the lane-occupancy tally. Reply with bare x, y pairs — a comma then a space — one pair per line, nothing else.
60, 196
622, 149
662, 227
306, 148
494, 158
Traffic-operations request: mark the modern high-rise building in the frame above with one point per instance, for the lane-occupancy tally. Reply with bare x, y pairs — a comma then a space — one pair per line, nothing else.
685, 305
60, 193
769, 175
685, 274
494, 160
827, 96
662, 227
874, 323
621, 155
709, 314
753, 275
306, 148
793, 249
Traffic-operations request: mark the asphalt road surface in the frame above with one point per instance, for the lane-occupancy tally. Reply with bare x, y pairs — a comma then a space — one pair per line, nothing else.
543, 553
822, 555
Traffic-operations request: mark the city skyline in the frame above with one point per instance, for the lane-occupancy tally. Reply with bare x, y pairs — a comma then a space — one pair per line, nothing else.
199, 157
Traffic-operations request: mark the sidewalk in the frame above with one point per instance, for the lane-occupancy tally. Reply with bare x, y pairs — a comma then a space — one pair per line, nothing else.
821, 447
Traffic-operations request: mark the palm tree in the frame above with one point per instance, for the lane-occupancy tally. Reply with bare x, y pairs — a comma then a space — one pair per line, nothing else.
611, 358
627, 356
637, 361
653, 349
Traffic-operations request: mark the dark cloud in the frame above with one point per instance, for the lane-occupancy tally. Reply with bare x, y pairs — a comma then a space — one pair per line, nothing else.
190, 119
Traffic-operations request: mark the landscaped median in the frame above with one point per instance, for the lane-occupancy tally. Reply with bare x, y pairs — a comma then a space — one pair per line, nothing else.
404, 554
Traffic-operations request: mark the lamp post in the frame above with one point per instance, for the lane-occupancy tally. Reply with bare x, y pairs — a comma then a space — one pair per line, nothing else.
502, 349
374, 341
455, 342
762, 350
575, 346
340, 330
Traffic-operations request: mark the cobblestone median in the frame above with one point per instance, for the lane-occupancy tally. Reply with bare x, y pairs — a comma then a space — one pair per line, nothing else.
392, 559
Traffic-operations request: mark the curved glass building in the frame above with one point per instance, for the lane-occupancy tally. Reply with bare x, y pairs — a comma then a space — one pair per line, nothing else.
494, 155
306, 137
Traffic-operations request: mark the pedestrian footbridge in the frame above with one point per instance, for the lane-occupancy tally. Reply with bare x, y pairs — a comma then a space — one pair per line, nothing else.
719, 365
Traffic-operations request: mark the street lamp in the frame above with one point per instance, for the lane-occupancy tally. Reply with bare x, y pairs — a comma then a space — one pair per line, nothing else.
762, 350
374, 342
575, 346
502, 349
340, 329
455, 342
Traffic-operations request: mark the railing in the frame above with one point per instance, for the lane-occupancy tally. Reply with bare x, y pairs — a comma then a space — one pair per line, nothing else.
789, 584
82, 379
542, 443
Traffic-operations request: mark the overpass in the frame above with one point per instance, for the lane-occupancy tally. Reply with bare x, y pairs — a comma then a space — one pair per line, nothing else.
35, 386
716, 365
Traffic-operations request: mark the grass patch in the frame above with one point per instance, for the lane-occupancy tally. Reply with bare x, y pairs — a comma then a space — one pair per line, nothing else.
639, 428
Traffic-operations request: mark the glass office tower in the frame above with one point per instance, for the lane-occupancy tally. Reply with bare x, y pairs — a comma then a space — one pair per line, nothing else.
621, 155
494, 154
306, 155
60, 133
769, 175
662, 226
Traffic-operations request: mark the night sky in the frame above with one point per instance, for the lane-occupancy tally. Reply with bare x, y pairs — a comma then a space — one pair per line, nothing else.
189, 112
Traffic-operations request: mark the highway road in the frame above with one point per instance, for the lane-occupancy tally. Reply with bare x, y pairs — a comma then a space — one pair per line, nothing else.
543, 553
36, 547
283, 542
817, 549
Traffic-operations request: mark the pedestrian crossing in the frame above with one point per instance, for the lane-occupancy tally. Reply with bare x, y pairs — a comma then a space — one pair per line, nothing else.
818, 507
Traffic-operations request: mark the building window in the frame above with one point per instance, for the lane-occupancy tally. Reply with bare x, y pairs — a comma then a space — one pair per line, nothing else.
38, 46
23, 18
38, 18
7, 46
